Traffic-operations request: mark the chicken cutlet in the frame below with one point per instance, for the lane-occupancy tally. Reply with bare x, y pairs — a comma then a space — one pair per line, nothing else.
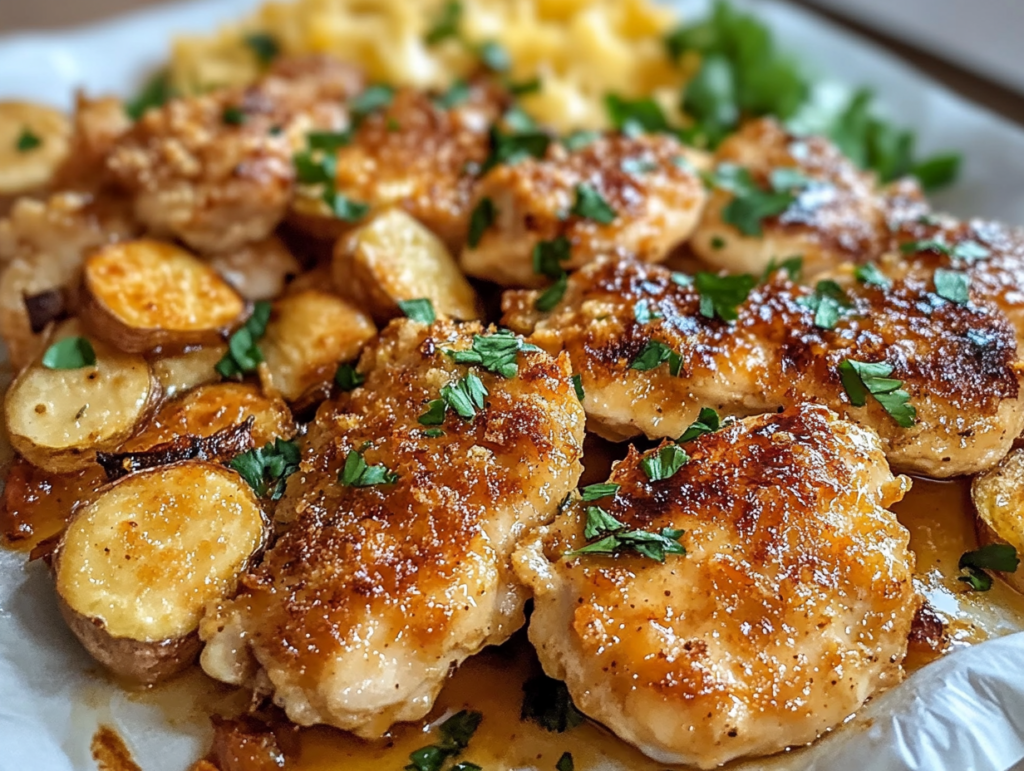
936, 379
394, 563
786, 603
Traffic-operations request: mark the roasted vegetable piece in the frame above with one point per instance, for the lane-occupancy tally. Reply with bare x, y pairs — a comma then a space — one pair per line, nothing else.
179, 372
137, 565
33, 143
998, 496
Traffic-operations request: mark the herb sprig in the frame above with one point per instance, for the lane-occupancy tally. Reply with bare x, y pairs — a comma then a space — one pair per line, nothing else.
863, 378
244, 355
456, 733
613, 537
267, 469
995, 556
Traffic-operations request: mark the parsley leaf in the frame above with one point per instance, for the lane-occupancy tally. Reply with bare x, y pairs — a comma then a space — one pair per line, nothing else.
644, 313
481, 218
829, 302
613, 537
531, 86
513, 147
638, 166
791, 266
456, 733
267, 469
938, 170
456, 94
263, 46
233, 116
547, 703
495, 353
436, 410
548, 256
465, 397
243, 354
746, 212
433, 433
722, 295
346, 377
591, 205
995, 556
447, 24
565, 763
343, 207
654, 354
70, 353
665, 463
633, 117
579, 139
707, 422
328, 142
356, 473
577, 384
592, 493
494, 56
372, 98
27, 140
862, 378
952, 285
421, 309
869, 274
551, 296
155, 93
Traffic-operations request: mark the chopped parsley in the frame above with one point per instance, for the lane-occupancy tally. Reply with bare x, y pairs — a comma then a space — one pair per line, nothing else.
547, 703
346, 377
433, 433
638, 166
579, 139
320, 169
577, 384
644, 313
829, 302
155, 93
446, 25
548, 256
522, 88
996, 556
356, 472
70, 353
456, 733
343, 207
27, 140
654, 354
481, 218
752, 204
328, 141
721, 296
966, 250
664, 463
495, 353
565, 763
591, 205
863, 378
512, 147
938, 171
634, 117
465, 397
267, 469
596, 492
421, 309
793, 267
516, 119
953, 285
244, 355
870, 275
264, 47
707, 422
613, 537
456, 94
494, 56
717, 242
553, 295
372, 98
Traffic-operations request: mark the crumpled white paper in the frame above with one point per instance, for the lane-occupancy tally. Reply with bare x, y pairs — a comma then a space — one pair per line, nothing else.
965, 712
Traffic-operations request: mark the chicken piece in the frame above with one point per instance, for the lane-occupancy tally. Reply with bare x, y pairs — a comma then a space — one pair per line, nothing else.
956, 362
259, 270
380, 584
645, 182
838, 212
791, 606
216, 170
97, 126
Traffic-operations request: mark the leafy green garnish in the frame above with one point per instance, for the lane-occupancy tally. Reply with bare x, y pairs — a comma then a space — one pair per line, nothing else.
481, 218
953, 285
421, 309
495, 353
592, 493
863, 378
577, 140
829, 302
635, 116
654, 354
577, 385
267, 469
791, 266
456, 94
27, 140
638, 166
751, 204
343, 207
264, 47
645, 312
155, 93
465, 397
371, 99
328, 142
547, 703
565, 763
524, 87
456, 733
70, 353
494, 56
591, 205
233, 116
721, 296
967, 250
244, 355
446, 25
995, 556
665, 462
553, 295
938, 171
346, 377
512, 147
613, 538
433, 433
548, 256
356, 472
869, 274
707, 422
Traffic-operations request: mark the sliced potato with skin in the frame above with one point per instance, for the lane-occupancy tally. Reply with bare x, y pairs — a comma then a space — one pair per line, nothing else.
998, 497
33, 143
59, 418
180, 372
394, 258
205, 410
260, 270
137, 565
144, 294
309, 334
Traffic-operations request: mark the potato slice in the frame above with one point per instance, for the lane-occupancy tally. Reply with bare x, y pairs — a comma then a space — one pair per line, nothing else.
208, 409
393, 258
309, 334
33, 143
259, 271
195, 367
144, 294
137, 565
998, 497
59, 418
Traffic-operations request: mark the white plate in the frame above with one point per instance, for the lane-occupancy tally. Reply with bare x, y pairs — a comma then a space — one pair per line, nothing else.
965, 712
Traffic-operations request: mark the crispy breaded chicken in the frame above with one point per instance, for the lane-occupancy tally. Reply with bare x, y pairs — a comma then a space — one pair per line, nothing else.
216, 170
791, 606
956, 362
421, 156
358, 612
653, 195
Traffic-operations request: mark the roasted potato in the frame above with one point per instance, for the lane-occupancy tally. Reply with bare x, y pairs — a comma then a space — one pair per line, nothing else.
137, 565
142, 295
260, 270
33, 143
59, 418
309, 334
180, 372
998, 497
208, 409
393, 258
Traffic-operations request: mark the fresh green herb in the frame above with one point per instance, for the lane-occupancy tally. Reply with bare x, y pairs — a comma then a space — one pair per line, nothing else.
373, 98
516, 119
829, 302
465, 397
596, 492
577, 140
869, 274
565, 763
267, 469
481, 218
681, 279
244, 354
356, 472
548, 256
664, 463
613, 537
577, 384
717, 242
793, 267
420, 309
654, 354
446, 25
494, 56
531, 86
27, 140
70, 353
264, 47
863, 378
938, 171
346, 377
511, 148
633, 117
433, 433
456, 733
495, 353
393, 125
436, 410
458, 93
343, 207
953, 285
747, 212
721, 296
995, 556
328, 141
638, 166
155, 93
550, 297
968, 250
591, 205
313, 170
707, 422
233, 116
644, 313
547, 703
